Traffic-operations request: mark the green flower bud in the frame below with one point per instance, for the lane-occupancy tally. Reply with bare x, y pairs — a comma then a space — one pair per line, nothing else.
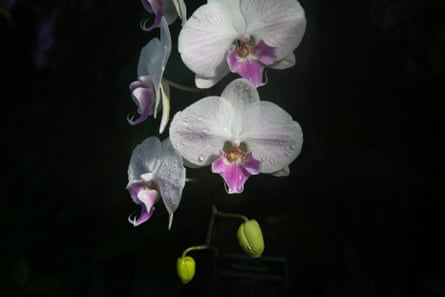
250, 238
185, 267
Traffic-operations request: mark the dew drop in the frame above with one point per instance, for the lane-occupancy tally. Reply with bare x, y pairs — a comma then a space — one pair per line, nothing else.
201, 158
292, 146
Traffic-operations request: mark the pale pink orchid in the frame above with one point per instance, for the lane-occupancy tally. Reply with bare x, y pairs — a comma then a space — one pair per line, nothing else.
241, 36
156, 170
237, 134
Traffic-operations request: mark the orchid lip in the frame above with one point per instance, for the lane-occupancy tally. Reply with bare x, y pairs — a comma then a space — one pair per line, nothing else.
235, 166
248, 59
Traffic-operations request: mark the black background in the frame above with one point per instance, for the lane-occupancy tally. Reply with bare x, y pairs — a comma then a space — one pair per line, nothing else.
360, 215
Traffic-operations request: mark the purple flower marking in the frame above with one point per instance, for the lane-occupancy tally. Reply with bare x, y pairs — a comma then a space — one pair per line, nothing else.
235, 167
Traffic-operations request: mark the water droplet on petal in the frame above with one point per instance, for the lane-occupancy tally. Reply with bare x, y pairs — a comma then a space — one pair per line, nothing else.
292, 146
201, 158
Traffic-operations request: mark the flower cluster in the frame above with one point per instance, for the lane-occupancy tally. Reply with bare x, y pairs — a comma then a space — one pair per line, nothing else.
236, 134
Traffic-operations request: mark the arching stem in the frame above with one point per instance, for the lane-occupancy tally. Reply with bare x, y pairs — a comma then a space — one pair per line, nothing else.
215, 213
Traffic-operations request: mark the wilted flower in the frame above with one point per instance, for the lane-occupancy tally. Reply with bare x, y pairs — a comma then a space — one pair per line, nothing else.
155, 169
148, 90
241, 36
237, 134
170, 9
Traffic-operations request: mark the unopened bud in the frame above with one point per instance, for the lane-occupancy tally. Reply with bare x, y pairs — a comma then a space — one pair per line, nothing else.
250, 238
185, 267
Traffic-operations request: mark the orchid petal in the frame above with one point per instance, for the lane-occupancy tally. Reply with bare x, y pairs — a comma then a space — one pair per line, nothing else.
204, 40
144, 158
250, 69
282, 172
284, 63
155, 7
198, 132
153, 59
166, 42
165, 92
237, 17
271, 135
206, 83
236, 173
240, 93
181, 10
143, 97
170, 178
169, 11
281, 24
146, 199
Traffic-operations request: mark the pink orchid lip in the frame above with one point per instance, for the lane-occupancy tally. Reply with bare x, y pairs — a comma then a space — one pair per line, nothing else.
249, 59
144, 196
154, 7
235, 167
143, 97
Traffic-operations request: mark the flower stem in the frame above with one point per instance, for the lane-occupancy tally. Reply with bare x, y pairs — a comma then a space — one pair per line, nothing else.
182, 87
215, 213
229, 215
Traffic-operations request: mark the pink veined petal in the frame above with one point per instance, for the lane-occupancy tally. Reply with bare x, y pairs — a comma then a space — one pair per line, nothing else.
250, 69
280, 23
144, 159
264, 53
235, 174
252, 66
272, 136
205, 39
198, 132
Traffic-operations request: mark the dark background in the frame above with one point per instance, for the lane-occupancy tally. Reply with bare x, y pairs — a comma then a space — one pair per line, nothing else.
360, 215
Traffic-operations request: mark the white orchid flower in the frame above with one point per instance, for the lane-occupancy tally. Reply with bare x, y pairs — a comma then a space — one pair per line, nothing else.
148, 91
155, 170
237, 134
241, 36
